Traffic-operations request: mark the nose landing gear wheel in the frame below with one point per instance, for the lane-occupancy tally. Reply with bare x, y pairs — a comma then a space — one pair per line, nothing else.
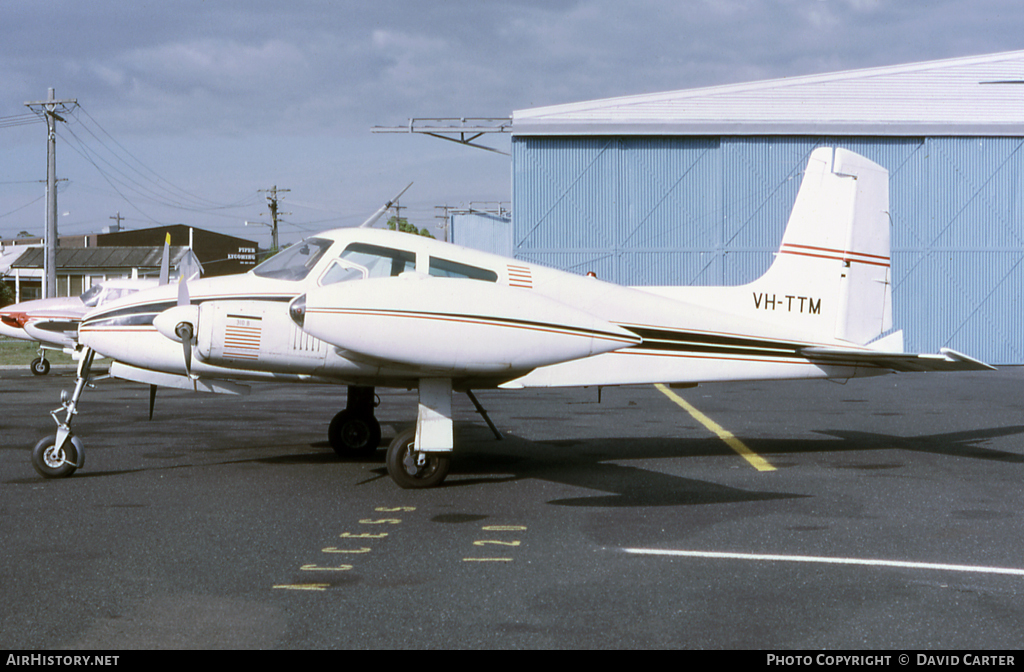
404, 464
53, 462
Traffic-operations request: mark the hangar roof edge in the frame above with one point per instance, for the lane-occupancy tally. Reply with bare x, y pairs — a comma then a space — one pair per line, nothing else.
977, 95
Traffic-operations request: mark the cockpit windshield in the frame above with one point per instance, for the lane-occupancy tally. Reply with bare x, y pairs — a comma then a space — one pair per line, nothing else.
91, 296
295, 262
99, 294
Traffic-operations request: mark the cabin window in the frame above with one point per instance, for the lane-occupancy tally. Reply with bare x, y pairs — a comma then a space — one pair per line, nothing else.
452, 269
342, 271
379, 262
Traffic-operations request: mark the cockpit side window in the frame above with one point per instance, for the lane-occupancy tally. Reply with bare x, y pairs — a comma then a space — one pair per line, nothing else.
342, 271
453, 269
295, 262
379, 262
113, 295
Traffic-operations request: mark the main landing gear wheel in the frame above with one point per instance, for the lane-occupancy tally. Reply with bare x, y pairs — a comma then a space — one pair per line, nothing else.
404, 466
53, 462
352, 433
40, 366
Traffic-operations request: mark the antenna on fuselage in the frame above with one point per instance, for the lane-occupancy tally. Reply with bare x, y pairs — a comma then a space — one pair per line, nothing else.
377, 215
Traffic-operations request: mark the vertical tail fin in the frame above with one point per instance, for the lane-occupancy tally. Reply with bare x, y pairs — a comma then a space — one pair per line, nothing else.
831, 275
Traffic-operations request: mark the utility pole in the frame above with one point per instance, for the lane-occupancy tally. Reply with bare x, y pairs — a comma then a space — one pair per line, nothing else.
444, 219
49, 109
118, 218
272, 200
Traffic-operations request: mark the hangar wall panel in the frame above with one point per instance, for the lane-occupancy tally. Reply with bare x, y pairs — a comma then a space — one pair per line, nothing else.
672, 210
481, 231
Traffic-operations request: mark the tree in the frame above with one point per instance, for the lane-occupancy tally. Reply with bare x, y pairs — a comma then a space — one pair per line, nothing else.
403, 225
6, 294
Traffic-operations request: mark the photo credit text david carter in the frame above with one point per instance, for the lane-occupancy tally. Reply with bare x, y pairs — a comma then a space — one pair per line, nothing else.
919, 659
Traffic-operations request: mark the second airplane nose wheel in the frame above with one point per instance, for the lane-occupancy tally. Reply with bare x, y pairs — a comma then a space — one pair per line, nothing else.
40, 366
410, 468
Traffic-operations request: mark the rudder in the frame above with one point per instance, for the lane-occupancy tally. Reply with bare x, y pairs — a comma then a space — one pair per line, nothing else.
835, 253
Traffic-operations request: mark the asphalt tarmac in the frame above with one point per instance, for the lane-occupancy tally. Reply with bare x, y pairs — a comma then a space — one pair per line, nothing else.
886, 513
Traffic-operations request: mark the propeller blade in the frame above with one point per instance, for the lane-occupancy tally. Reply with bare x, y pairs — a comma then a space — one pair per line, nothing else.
183, 297
185, 331
165, 262
187, 345
375, 216
152, 400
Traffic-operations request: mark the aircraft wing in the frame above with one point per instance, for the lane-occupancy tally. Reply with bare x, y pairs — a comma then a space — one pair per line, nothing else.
945, 360
150, 377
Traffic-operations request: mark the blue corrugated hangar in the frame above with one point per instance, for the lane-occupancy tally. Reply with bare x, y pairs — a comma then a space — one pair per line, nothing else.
695, 186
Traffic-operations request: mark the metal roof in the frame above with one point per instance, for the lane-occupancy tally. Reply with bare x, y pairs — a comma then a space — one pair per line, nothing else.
972, 96
95, 258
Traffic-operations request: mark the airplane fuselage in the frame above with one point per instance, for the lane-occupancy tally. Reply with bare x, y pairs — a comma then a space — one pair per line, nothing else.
406, 308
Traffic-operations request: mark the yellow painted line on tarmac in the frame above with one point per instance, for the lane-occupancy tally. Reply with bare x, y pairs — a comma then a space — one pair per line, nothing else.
750, 456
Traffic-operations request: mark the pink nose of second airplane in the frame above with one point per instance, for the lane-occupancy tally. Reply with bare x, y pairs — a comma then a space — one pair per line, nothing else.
14, 319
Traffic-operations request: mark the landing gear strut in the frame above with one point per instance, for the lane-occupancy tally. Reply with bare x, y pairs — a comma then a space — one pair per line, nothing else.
355, 431
61, 455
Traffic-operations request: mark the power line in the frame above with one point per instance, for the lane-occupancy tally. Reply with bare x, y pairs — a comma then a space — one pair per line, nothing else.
19, 120
132, 179
130, 176
35, 200
198, 202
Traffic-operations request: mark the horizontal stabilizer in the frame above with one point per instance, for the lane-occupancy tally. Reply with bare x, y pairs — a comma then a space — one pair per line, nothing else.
946, 360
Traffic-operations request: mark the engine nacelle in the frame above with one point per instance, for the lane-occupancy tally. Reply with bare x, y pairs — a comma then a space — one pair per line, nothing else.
454, 326
256, 335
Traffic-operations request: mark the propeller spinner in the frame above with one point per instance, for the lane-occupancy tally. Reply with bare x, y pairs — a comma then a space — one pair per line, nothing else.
179, 323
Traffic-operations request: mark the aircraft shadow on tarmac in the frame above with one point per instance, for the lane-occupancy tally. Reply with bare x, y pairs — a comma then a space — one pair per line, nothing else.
586, 464
953, 444
591, 462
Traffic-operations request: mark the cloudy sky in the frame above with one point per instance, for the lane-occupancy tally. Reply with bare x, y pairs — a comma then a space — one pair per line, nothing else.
188, 108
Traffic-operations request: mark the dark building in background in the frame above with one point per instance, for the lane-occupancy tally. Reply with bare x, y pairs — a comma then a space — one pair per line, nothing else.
218, 253
84, 260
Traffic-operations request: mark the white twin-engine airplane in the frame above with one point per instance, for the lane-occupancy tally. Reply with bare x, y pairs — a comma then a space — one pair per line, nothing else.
365, 308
